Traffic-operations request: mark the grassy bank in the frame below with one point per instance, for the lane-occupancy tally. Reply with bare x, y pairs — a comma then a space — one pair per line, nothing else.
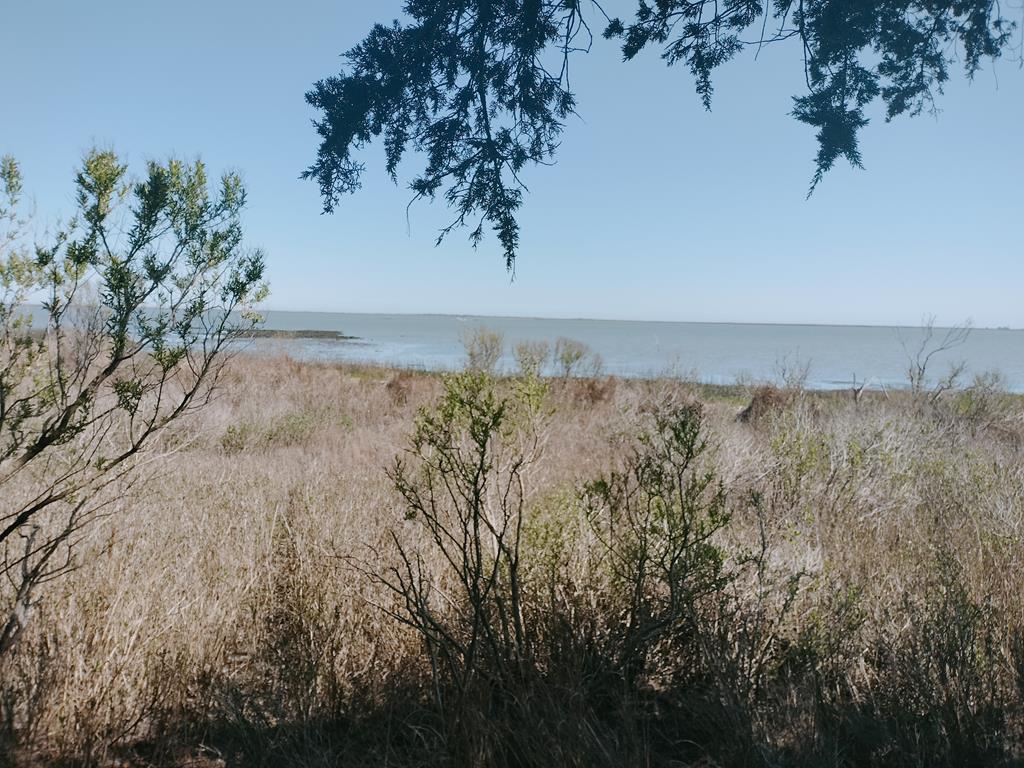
588, 572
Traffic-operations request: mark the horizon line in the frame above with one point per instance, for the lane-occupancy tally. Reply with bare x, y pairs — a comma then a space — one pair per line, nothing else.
457, 315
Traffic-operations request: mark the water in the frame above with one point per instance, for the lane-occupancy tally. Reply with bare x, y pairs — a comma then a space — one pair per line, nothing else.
721, 353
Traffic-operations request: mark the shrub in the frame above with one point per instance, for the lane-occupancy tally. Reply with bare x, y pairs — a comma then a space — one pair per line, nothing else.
792, 372
532, 357
569, 356
483, 349
464, 485
656, 518
766, 401
399, 386
985, 402
287, 429
140, 304
596, 390
921, 356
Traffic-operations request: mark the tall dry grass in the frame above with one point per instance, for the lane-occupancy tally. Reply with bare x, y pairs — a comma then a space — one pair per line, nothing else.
866, 609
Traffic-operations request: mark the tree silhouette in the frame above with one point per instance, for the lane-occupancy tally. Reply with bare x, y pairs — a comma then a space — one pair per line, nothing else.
481, 87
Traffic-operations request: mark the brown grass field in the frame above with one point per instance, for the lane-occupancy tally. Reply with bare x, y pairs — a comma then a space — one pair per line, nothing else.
831, 581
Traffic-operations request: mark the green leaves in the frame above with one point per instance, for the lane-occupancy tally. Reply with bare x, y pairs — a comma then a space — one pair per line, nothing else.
140, 305
97, 186
854, 53
470, 408
658, 517
129, 394
182, 258
10, 183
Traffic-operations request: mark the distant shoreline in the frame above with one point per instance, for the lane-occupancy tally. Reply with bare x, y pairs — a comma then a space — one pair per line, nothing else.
270, 333
469, 316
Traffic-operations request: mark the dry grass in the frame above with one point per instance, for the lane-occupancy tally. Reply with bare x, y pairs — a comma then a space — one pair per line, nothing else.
227, 612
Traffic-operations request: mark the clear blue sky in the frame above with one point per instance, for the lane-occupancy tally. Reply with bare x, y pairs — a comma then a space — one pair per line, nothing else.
655, 210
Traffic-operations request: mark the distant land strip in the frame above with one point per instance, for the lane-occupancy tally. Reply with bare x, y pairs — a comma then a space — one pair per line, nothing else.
266, 333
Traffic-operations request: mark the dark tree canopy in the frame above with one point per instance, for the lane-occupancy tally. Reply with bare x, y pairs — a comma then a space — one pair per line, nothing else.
481, 87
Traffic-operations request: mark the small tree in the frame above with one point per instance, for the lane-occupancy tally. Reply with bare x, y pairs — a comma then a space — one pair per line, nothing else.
657, 518
532, 357
483, 349
569, 354
791, 372
463, 480
574, 358
141, 294
920, 356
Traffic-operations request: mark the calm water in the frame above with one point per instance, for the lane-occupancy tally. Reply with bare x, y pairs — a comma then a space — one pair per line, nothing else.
714, 352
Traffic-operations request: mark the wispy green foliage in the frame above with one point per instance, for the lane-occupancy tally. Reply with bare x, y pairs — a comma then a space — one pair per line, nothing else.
141, 293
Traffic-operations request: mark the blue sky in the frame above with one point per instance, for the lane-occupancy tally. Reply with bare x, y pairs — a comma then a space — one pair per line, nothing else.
655, 210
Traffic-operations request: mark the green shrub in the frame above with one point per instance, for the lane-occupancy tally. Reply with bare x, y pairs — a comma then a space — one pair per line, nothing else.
656, 518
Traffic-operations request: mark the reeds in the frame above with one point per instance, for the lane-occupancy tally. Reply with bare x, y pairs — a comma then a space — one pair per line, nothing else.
837, 581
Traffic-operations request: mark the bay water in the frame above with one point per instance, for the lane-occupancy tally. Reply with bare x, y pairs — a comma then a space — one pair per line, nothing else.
721, 353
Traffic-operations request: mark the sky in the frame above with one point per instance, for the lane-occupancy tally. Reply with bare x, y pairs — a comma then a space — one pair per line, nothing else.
655, 210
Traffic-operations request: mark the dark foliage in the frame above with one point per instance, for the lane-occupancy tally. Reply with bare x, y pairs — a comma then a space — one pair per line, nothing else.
482, 87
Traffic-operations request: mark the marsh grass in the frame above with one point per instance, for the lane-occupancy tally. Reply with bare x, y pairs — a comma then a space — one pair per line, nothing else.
842, 586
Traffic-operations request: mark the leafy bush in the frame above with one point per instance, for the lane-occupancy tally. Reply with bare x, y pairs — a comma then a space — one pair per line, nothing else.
464, 484
140, 303
656, 518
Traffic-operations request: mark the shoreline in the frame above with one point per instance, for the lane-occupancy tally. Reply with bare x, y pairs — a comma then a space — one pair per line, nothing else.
712, 389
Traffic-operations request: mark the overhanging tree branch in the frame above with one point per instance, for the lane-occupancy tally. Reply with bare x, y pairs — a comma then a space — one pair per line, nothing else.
466, 83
